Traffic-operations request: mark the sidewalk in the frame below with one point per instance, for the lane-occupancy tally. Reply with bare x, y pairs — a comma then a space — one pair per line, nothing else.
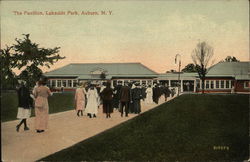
65, 130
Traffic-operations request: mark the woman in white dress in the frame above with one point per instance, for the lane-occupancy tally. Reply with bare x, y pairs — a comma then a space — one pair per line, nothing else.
149, 97
92, 102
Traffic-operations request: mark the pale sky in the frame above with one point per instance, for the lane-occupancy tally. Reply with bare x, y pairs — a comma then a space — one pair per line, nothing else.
150, 32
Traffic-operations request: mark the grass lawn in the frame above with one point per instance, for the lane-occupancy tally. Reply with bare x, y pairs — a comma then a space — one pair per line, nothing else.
188, 128
57, 103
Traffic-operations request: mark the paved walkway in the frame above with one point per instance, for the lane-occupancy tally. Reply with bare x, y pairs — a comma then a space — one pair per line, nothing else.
65, 130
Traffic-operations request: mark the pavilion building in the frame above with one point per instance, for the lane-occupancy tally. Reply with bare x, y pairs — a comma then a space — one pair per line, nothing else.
221, 77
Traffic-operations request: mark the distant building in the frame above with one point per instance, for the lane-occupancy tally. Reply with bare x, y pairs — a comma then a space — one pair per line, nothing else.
69, 75
222, 77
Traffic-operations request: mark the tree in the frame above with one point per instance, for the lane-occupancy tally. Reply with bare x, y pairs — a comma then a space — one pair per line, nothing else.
231, 59
8, 77
189, 68
103, 76
31, 56
201, 57
171, 71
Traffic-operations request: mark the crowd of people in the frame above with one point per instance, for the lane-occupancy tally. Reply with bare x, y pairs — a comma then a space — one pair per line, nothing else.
88, 99
124, 98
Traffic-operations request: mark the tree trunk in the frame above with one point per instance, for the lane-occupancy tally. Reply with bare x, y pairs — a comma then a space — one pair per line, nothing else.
203, 84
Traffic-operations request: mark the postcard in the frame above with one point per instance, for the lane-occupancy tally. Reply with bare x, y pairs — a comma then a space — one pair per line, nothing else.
125, 80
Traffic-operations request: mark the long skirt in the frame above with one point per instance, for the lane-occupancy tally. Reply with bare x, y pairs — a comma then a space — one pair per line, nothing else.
23, 113
137, 106
92, 106
42, 117
107, 106
149, 98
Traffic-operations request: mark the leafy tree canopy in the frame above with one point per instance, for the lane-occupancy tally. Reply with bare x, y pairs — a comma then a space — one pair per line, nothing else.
8, 77
231, 59
29, 53
171, 71
189, 68
30, 56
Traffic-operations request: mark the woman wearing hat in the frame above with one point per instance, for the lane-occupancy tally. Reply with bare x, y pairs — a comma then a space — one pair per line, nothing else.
41, 93
25, 103
80, 99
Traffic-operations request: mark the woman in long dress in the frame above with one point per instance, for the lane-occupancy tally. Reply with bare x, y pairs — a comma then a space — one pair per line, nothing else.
107, 96
41, 94
149, 95
92, 102
25, 103
80, 99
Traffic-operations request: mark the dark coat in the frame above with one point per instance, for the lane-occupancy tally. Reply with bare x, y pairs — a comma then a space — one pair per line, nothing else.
107, 96
125, 94
144, 94
156, 94
136, 94
24, 99
116, 98
166, 91
136, 98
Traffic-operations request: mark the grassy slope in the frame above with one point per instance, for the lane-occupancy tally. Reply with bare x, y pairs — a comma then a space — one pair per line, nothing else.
57, 103
184, 129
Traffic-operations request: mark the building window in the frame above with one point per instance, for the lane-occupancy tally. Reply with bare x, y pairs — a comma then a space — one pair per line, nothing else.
197, 84
53, 84
69, 83
114, 83
59, 83
49, 83
64, 83
212, 84
227, 83
149, 82
217, 84
74, 83
232, 83
126, 82
246, 84
207, 84
222, 84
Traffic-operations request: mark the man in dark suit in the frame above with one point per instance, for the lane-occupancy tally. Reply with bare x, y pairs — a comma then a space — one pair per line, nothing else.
125, 98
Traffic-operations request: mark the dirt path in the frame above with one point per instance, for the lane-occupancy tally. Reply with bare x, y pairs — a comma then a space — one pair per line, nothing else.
65, 130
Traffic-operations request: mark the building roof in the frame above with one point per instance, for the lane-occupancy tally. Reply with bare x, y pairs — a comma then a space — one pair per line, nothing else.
239, 70
111, 69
